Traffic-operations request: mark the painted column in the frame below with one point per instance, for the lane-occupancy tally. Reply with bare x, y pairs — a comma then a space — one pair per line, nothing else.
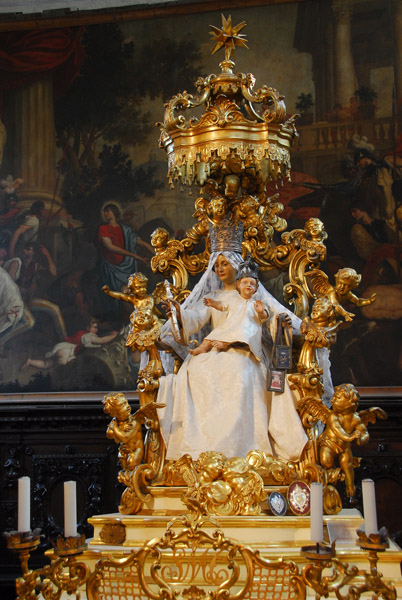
35, 140
345, 75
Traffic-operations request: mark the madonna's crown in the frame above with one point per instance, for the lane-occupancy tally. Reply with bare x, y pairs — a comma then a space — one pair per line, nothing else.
226, 236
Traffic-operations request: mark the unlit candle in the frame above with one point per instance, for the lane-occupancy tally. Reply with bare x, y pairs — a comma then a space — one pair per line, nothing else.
70, 509
316, 513
369, 507
24, 504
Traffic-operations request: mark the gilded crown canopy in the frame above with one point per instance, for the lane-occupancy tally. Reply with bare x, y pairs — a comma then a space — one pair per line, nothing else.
241, 129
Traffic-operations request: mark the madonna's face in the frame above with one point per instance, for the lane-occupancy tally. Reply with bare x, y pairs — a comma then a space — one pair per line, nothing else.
224, 270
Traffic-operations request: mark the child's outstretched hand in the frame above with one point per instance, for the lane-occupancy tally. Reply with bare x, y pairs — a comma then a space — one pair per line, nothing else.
214, 303
209, 302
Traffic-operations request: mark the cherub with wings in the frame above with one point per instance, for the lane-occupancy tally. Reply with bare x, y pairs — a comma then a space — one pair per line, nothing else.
9, 185
165, 249
346, 280
212, 211
125, 428
319, 332
221, 485
343, 426
310, 239
135, 293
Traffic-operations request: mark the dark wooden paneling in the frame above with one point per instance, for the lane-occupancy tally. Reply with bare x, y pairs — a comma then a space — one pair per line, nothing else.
55, 442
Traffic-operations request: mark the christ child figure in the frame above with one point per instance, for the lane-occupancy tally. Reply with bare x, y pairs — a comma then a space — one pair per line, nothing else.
243, 324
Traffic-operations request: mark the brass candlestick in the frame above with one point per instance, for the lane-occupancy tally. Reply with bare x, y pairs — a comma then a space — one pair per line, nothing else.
64, 574
375, 543
340, 575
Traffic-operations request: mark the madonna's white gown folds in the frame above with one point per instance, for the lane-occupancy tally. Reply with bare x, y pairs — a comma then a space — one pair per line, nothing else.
218, 400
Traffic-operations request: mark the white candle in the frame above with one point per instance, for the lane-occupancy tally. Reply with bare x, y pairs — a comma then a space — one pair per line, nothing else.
369, 507
70, 509
24, 504
316, 513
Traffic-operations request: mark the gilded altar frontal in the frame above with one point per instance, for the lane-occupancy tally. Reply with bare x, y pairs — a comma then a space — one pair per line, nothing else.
81, 162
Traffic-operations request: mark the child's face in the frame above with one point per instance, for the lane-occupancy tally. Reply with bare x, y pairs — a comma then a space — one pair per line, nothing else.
343, 403
138, 288
314, 227
322, 311
231, 187
247, 287
217, 207
343, 285
123, 411
143, 319
93, 328
159, 238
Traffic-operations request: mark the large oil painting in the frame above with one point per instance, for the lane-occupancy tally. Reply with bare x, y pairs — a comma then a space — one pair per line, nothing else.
83, 181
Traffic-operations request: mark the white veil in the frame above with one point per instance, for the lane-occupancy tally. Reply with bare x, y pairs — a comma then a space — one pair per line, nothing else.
208, 283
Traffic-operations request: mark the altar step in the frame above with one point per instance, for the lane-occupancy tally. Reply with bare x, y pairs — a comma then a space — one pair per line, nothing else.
273, 536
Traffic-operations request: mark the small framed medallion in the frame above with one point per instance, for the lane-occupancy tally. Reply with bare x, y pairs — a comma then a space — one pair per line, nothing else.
283, 357
299, 498
276, 380
277, 504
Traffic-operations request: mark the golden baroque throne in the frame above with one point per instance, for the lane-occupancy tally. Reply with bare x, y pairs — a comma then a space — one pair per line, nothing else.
240, 143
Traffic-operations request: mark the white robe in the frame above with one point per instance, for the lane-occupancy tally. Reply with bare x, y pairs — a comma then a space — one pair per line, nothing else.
218, 401
242, 325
